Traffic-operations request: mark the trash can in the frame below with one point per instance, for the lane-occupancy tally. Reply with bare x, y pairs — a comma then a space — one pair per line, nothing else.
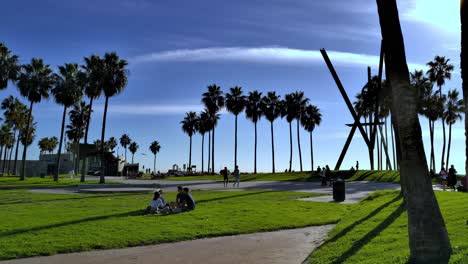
339, 190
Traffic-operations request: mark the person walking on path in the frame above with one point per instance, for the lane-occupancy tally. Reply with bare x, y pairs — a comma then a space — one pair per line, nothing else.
443, 177
328, 175
452, 177
224, 172
236, 175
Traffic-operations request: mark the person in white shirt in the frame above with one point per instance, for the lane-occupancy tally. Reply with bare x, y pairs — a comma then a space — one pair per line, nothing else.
157, 205
443, 176
236, 175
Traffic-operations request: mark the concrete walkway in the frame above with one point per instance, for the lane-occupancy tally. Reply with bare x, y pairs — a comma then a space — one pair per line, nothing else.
285, 246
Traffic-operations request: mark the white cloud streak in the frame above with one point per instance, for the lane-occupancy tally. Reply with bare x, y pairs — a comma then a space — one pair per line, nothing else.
263, 55
152, 109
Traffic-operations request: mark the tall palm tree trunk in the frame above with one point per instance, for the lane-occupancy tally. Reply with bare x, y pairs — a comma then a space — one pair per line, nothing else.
311, 154
272, 148
5, 151
1, 151
154, 164
387, 144
448, 145
290, 147
209, 151
202, 154
77, 157
428, 237
16, 154
190, 156
125, 153
299, 145
11, 151
133, 155
88, 121
83, 169
25, 147
431, 135
235, 142
464, 69
59, 151
395, 166
442, 159
102, 178
212, 152
255, 149
378, 151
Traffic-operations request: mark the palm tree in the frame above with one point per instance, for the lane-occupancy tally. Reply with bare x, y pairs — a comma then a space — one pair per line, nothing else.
310, 118
212, 122
5, 141
270, 106
453, 110
93, 84
52, 144
15, 114
464, 68
114, 80
125, 141
9, 66
154, 148
133, 149
300, 104
214, 101
428, 240
287, 107
202, 126
67, 91
43, 144
254, 112
189, 125
35, 82
439, 71
235, 103
111, 143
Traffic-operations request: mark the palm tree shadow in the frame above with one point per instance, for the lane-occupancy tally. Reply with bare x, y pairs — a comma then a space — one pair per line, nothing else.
372, 234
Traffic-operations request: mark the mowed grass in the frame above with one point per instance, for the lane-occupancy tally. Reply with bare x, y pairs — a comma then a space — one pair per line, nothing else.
283, 176
380, 176
376, 231
43, 224
11, 182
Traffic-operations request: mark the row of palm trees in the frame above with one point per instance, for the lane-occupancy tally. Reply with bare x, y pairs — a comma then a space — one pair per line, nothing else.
434, 105
126, 142
105, 75
294, 107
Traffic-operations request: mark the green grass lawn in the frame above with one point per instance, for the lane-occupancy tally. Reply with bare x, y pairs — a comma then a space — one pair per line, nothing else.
366, 175
282, 176
376, 231
43, 224
10, 182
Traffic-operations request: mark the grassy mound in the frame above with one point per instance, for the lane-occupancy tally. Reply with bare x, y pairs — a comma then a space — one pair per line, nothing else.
376, 231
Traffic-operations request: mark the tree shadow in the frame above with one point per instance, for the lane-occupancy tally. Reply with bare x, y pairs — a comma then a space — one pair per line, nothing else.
82, 196
84, 220
372, 214
372, 234
231, 197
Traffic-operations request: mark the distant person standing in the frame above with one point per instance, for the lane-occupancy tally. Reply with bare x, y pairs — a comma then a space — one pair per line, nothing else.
323, 177
452, 177
328, 174
236, 175
224, 172
357, 165
443, 177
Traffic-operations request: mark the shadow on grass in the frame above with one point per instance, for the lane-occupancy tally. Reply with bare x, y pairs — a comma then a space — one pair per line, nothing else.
231, 197
81, 196
372, 234
84, 220
372, 214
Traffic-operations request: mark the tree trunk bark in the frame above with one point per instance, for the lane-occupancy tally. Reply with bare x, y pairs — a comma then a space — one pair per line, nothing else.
311, 154
11, 151
133, 155
102, 178
212, 152
59, 151
272, 148
16, 153
431, 134
5, 151
378, 150
76, 168
428, 237
202, 154
393, 147
209, 151
290, 147
464, 69
448, 145
235, 142
442, 159
91, 99
299, 145
388, 165
190, 156
25, 147
255, 149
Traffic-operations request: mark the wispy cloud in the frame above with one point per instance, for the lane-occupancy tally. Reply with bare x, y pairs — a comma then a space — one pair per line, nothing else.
151, 109
264, 55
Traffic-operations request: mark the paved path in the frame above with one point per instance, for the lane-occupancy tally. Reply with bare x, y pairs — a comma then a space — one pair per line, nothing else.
285, 246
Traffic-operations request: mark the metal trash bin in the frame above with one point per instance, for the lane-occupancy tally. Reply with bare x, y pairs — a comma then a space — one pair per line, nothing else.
339, 190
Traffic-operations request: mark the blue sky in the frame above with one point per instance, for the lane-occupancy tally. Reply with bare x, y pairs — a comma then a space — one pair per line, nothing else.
176, 48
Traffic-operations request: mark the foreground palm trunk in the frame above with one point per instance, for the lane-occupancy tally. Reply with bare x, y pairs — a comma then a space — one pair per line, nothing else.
290, 147
212, 152
464, 69
25, 147
299, 145
202, 154
311, 154
59, 152
190, 156
428, 238
209, 151
272, 148
102, 178
255, 150
235, 143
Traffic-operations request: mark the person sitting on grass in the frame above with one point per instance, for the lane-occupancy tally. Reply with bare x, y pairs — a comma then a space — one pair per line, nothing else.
160, 191
157, 205
190, 202
181, 197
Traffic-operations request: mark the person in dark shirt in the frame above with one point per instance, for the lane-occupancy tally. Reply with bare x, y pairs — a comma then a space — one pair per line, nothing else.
452, 177
224, 172
190, 202
181, 197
